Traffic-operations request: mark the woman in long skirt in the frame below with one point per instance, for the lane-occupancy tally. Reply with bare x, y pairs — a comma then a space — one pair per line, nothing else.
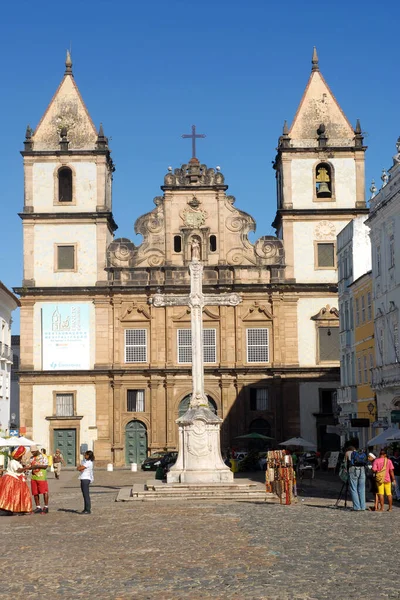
15, 496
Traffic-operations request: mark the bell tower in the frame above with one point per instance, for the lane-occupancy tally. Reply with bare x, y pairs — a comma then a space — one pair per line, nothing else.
67, 214
320, 181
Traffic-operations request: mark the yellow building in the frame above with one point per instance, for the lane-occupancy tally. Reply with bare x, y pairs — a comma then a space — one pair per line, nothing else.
364, 351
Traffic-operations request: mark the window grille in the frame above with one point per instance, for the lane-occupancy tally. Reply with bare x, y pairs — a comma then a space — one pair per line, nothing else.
257, 345
326, 255
65, 258
64, 405
329, 348
259, 399
135, 401
209, 346
135, 345
185, 346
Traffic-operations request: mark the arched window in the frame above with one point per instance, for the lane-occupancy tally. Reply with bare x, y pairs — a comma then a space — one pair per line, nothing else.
177, 243
323, 180
65, 184
184, 405
213, 243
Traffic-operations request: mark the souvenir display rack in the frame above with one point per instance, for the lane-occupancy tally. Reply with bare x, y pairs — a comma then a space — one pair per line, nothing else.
280, 476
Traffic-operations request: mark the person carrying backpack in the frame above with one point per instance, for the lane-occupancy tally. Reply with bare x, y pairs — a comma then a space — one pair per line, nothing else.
357, 461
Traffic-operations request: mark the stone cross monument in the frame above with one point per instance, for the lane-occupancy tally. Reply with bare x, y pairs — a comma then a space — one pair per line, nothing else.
199, 458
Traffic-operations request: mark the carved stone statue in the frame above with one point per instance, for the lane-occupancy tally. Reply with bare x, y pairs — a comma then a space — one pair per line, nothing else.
195, 250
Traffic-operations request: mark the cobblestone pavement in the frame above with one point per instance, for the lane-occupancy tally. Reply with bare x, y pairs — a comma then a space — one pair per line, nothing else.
197, 550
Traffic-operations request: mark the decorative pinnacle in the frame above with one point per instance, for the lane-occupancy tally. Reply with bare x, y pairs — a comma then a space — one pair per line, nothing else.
101, 132
285, 128
314, 60
358, 127
28, 133
68, 64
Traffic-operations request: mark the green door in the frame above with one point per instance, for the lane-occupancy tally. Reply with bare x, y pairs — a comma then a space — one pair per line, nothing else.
135, 442
65, 439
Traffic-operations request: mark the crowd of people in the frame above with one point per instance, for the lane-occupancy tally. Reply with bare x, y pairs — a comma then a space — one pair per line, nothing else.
383, 472
33, 464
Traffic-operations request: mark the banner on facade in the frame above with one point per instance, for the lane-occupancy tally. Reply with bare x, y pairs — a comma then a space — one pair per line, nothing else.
65, 336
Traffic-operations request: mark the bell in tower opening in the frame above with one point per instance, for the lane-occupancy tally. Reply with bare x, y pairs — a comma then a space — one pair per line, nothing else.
323, 181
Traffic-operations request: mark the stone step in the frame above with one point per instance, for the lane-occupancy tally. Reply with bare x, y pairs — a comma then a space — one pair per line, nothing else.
210, 487
158, 493
188, 497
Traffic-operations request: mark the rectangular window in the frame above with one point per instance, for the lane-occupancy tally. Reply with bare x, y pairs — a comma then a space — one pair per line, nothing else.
209, 345
396, 341
346, 316
371, 365
135, 401
135, 345
391, 251
259, 399
64, 405
329, 347
257, 345
349, 369
378, 260
326, 401
357, 311
363, 308
65, 258
185, 346
359, 370
326, 255
365, 369
369, 306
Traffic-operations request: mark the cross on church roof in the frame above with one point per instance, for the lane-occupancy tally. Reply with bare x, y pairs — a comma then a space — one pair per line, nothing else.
193, 136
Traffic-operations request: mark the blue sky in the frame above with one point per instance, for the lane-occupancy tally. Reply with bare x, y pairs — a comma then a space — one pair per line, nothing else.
149, 70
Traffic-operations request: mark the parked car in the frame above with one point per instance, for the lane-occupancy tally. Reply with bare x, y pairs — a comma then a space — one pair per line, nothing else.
153, 461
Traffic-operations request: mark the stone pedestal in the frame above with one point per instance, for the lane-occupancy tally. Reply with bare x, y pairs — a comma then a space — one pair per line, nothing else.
199, 459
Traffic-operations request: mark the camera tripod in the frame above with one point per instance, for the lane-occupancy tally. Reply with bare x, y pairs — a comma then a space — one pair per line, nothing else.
343, 494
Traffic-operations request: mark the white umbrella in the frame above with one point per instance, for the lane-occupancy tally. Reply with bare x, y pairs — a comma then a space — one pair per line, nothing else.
382, 438
395, 437
16, 441
298, 441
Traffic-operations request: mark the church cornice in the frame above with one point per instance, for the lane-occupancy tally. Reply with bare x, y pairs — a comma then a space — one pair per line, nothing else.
323, 212
270, 372
43, 153
35, 216
104, 289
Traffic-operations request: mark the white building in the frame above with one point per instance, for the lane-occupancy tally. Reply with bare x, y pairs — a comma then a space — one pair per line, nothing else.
354, 260
384, 223
8, 303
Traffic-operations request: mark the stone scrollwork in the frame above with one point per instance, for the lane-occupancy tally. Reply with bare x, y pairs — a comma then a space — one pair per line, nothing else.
194, 173
120, 253
270, 249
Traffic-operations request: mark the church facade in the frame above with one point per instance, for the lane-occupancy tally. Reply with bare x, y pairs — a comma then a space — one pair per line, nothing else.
102, 367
